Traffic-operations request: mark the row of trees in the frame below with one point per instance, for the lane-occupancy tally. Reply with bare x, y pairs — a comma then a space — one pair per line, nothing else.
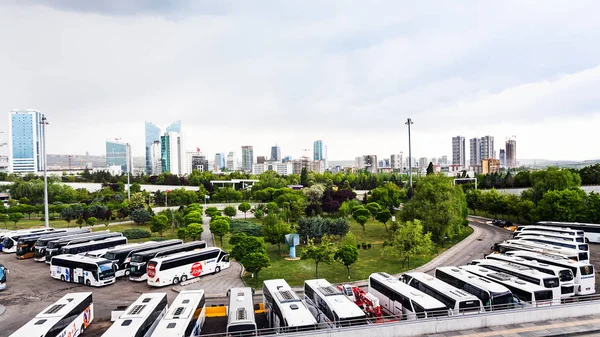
588, 175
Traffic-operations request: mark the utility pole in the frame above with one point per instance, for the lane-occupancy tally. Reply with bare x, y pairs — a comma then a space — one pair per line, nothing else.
129, 165
44, 122
409, 122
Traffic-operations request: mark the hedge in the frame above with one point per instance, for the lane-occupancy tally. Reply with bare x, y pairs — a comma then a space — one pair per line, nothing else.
136, 233
243, 226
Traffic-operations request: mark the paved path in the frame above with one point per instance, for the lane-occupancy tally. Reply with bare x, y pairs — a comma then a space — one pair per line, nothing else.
216, 285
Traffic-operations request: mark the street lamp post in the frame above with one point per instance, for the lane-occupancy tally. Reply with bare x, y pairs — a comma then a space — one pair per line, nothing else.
409, 122
128, 150
44, 122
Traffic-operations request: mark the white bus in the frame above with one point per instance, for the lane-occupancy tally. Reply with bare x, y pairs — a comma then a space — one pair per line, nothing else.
585, 279
42, 243
565, 275
54, 247
141, 317
91, 271
10, 240
591, 231
26, 244
528, 294
549, 229
69, 316
139, 260
181, 267
285, 311
493, 296
550, 234
121, 256
185, 316
458, 301
94, 245
524, 273
510, 245
3, 234
403, 301
582, 249
240, 313
329, 305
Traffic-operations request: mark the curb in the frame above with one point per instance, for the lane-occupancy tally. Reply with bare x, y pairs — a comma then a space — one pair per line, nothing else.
2, 310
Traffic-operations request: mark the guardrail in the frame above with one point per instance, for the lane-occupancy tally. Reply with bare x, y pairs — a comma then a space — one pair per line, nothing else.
442, 321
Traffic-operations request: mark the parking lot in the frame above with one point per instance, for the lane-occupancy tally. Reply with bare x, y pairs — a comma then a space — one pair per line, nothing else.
30, 289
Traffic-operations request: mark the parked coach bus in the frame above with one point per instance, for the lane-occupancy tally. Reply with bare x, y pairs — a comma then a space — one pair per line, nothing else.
26, 244
121, 256
550, 234
286, 313
403, 301
94, 245
583, 249
42, 243
91, 271
141, 318
591, 231
585, 279
181, 267
10, 241
22, 231
550, 230
69, 316
139, 260
494, 296
55, 247
330, 306
185, 316
510, 245
240, 313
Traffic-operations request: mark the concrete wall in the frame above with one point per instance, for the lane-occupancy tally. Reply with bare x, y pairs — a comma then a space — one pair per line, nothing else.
455, 323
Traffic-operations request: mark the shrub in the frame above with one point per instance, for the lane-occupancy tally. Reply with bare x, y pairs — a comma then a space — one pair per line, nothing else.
385, 244
243, 226
368, 246
136, 233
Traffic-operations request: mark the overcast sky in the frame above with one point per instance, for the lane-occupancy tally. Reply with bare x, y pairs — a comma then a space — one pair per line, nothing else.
290, 72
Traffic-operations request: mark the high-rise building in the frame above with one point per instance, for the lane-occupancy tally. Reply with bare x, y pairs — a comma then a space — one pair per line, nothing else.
502, 158
174, 127
4, 151
220, 160
423, 162
511, 152
247, 158
287, 159
276, 153
458, 151
319, 151
487, 147
369, 163
358, 162
443, 160
231, 162
396, 162
153, 134
475, 152
171, 156
27, 136
116, 155
155, 159
195, 160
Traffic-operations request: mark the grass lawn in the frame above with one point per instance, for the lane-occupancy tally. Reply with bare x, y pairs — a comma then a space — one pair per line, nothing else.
120, 228
369, 260
35, 222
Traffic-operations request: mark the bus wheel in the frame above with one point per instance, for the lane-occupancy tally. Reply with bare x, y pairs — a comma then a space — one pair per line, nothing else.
62, 278
217, 269
183, 278
88, 283
127, 272
82, 328
176, 280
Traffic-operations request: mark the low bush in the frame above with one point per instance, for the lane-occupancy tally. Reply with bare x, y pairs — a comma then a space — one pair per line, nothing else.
243, 226
136, 233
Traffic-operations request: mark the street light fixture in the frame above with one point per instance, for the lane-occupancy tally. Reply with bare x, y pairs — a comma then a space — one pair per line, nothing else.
44, 122
409, 123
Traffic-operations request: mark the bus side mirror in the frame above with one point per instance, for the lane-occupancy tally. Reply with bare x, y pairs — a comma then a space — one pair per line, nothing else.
7, 271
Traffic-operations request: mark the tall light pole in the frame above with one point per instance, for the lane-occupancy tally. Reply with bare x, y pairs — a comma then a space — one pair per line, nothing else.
129, 164
409, 122
44, 122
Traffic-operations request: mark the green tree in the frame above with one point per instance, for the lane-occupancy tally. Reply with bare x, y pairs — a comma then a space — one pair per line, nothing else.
91, 221
140, 216
246, 245
349, 239
409, 240
68, 214
430, 169
4, 218
258, 214
321, 253
254, 262
373, 208
182, 233
80, 221
192, 207
552, 179
474, 199
244, 207
237, 237
346, 255
220, 227
383, 217
526, 209
304, 177
230, 211
274, 230
388, 196
193, 217
194, 230
159, 224
495, 202
566, 205
137, 200
361, 215
15, 217
212, 211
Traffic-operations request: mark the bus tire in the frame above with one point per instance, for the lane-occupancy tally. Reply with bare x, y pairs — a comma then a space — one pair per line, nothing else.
183, 278
62, 278
175, 280
217, 269
127, 272
82, 328
88, 283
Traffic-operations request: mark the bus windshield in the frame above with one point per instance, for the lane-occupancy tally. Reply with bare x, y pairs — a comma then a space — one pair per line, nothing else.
110, 256
587, 270
137, 258
468, 306
565, 275
2, 274
543, 295
106, 270
502, 299
551, 282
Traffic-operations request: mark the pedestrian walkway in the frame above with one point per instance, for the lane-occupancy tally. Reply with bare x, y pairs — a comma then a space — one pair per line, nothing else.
569, 326
216, 285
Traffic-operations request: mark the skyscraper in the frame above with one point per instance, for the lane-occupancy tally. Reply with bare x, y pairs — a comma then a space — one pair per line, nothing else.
153, 134
276, 153
475, 152
27, 136
511, 152
174, 127
247, 158
116, 155
170, 146
155, 159
396, 161
318, 150
458, 151
231, 163
195, 160
502, 157
220, 160
487, 147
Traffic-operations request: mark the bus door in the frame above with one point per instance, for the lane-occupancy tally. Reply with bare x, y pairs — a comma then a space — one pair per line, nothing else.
77, 274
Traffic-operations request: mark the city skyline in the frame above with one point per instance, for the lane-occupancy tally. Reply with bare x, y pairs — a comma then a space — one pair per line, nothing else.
349, 74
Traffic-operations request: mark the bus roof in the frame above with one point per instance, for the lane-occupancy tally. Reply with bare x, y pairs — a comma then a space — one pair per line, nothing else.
475, 280
292, 308
81, 258
53, 234
449, 290
337, 301
541, 246
241, 306
91, 242
502, 278
528, 228
143, 246
513, 267
183, 254
179, 313
520, 260
424, 300
135, 315
69, 238
155, 251
547, 256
